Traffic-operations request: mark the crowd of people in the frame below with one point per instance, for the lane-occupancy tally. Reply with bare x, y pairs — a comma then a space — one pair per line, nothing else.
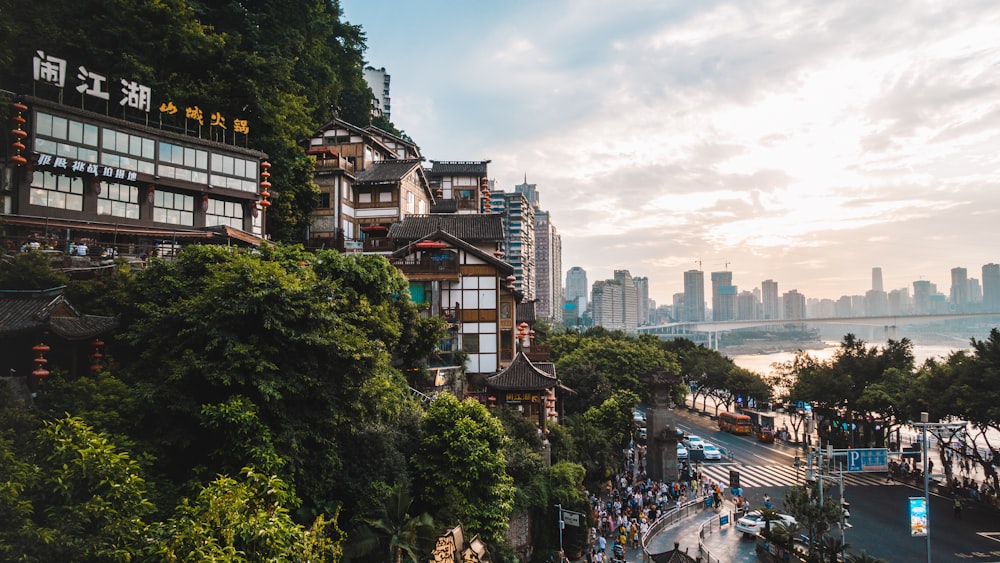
627, 505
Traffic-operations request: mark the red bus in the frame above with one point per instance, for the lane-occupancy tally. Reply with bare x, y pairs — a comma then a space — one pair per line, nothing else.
735, 423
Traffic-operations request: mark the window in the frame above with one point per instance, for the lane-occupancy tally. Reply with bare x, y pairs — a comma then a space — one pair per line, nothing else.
385, 196
221, 212
410, 202
118, 200
470, 343
173, 208
52, 190
324, 200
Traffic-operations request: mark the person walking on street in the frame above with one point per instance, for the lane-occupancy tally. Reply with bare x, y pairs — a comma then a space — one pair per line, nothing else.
958, 508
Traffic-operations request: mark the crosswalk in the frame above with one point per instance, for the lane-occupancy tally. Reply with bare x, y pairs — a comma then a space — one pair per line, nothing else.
779, 475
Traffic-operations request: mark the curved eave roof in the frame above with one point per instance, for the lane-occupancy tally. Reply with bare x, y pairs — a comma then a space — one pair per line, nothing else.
521, 375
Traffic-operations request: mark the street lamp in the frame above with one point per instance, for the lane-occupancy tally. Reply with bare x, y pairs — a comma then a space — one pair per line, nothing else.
952, 427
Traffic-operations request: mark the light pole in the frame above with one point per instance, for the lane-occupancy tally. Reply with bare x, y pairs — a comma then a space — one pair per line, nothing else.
954, 428
839, 479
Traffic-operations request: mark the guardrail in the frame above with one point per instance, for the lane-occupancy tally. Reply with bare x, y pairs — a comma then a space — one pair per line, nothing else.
711, 525
672, 516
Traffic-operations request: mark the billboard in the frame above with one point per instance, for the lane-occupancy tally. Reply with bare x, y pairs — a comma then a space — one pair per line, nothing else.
918, 516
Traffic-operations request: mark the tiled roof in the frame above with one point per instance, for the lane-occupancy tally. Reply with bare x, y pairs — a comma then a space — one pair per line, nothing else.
443, 167
30, 311
471, 228
521, 375
386, 171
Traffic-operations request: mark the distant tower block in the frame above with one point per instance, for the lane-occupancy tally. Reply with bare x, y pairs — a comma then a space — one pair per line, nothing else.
661, 453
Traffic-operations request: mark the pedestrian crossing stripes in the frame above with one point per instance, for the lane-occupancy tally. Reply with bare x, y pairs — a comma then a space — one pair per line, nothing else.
779, 475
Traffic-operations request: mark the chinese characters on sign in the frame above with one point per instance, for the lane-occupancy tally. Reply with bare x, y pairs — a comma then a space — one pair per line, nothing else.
81, 167
52, 70
520, 398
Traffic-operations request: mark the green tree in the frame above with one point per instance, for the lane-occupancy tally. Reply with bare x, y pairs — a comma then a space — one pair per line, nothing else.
29, 270
277, 358
460, 468
394, 533
242, 520
814, 513
88, 497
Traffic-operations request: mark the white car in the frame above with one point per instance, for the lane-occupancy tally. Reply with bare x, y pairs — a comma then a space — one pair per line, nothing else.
711, 452
694, 443
752, 523
682, 452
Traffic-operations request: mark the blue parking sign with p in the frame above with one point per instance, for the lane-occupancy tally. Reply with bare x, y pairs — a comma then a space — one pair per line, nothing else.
868, 459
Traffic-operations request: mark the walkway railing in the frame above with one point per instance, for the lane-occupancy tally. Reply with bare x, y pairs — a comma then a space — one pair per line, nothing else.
672, 516
710, 526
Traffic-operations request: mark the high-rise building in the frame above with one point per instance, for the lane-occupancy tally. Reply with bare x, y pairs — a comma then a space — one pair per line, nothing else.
747, 306
794, 304
975, 294
899, 302
770, 300
576, 288
694, 297
877, 279
630, 301
548, 258
959, 289
922, 292
378, 81
519, 238
723, 296
991, 288
642, 292
606, 301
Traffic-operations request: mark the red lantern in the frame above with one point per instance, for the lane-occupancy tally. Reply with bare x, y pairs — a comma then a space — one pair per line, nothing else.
151, 194
265, 185
204, 202
40, 373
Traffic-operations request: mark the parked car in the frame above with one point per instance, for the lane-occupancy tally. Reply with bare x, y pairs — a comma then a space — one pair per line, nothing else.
694, 442
639, 418
711, 452
682, 452
766, 435
753, 523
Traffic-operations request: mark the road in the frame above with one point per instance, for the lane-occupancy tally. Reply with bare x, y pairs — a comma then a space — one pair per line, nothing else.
879, 516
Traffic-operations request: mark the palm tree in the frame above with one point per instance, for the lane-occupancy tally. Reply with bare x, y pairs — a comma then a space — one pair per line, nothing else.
784, 534
769, 515
832, 546
863, 558
394, 533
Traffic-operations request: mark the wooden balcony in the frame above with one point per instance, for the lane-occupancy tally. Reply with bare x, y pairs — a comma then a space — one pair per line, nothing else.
429, 265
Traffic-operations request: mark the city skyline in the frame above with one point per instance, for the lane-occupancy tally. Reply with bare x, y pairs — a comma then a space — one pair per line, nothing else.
791, 140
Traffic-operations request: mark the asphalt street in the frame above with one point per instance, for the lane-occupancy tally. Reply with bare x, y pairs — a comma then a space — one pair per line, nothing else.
879, 510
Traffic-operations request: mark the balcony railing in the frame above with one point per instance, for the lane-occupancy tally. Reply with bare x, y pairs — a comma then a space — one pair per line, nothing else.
378, 244
441, 262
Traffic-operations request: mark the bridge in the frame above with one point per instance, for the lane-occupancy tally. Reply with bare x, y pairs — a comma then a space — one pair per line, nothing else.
888, 323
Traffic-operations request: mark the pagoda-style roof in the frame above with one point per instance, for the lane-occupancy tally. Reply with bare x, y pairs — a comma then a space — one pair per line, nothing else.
522, 375
27, 311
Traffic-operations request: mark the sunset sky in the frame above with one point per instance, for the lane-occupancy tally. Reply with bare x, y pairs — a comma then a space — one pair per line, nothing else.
803, 142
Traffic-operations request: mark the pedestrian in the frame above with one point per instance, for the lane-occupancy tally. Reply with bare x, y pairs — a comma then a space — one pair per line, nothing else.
958, 508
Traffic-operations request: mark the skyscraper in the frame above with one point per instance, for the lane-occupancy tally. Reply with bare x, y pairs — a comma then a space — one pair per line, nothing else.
378, 81
877, 279
770, 300
642, 293
694, 297
519, 238
576, 288
548, 268
959, 289
794, 304
723, 297
991, 288
630, 301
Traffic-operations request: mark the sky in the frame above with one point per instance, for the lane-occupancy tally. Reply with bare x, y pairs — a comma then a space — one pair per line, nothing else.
799, 141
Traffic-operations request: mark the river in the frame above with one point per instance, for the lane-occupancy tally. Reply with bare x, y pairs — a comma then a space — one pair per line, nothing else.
761, 363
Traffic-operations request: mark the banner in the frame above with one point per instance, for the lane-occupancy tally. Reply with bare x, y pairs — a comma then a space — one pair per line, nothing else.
918, 516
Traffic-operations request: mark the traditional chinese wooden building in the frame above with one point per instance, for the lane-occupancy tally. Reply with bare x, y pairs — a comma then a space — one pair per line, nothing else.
40, 331
531, 388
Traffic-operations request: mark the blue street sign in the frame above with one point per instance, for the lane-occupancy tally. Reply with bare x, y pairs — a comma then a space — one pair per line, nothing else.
867, 459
